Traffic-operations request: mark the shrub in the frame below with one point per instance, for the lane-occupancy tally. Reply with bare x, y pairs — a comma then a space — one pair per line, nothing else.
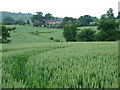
109, 30
86, 35
20, 22
8, 21
101, 36
5, 33
70, 32
51, 38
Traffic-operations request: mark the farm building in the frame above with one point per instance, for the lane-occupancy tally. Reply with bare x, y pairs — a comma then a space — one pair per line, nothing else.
53, 21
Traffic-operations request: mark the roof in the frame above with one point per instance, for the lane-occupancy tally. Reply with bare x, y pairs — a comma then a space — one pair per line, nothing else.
52, 21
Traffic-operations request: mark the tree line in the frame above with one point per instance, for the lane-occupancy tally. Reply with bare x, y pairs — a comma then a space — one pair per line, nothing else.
39, 20
16, 16
86, 20
108, 30
11, 21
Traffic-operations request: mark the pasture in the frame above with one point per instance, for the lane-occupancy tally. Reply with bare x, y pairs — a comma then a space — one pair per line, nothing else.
92, 27
22, 34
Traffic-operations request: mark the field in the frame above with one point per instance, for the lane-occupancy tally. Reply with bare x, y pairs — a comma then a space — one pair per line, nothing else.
92, 27
22, 34
37, 62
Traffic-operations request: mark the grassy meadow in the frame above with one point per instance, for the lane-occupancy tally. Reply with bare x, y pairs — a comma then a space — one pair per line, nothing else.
32, 61
22, 34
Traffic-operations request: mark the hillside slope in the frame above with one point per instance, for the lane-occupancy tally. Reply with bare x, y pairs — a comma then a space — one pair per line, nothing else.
22, 34
16, 16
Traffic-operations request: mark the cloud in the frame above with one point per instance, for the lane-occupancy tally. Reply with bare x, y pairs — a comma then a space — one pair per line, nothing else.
61, 8
119, 6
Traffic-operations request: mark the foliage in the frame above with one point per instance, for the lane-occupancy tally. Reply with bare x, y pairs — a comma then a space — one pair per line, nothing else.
6, 33
17, 16
108, 24
70, 32
8, 20
46, 37
86, 19
28, 22
101, 36
109, 30
48, 16
37, 24
86, 35
110, 14
67, 21
108, 27
20, 22
63, 23
103, 17
38, 19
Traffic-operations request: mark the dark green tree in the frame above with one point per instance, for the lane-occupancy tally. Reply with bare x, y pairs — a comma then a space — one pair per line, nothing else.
38, 18
28, 22
62, 24
67, 20
86, 19
20, 22
5, 33
70, 32
48, 16
8, 20
108, 29
108, 24
86, 35
103, 16
110, 14
101, 36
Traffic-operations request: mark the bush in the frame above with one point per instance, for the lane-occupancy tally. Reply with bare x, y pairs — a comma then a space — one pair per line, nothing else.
8, 21
86, 35
70, 32
101, 36
109, 30
5, 33
20, 22
51, 38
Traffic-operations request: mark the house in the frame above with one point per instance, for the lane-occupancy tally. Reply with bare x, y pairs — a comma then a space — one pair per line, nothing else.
31, 24
53, 21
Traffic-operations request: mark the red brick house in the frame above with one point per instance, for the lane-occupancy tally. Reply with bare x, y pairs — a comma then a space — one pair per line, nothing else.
53, 21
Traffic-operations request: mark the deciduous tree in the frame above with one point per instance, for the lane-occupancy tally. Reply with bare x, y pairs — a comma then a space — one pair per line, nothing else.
70, 32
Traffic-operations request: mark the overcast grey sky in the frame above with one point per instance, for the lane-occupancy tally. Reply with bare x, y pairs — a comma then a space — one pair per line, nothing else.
119, 6
61, 8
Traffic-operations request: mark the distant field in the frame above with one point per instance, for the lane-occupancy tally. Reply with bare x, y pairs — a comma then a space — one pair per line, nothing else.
40, 65
92, 27
23, 35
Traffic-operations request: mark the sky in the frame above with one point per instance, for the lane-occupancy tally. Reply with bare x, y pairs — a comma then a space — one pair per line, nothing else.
61, 8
